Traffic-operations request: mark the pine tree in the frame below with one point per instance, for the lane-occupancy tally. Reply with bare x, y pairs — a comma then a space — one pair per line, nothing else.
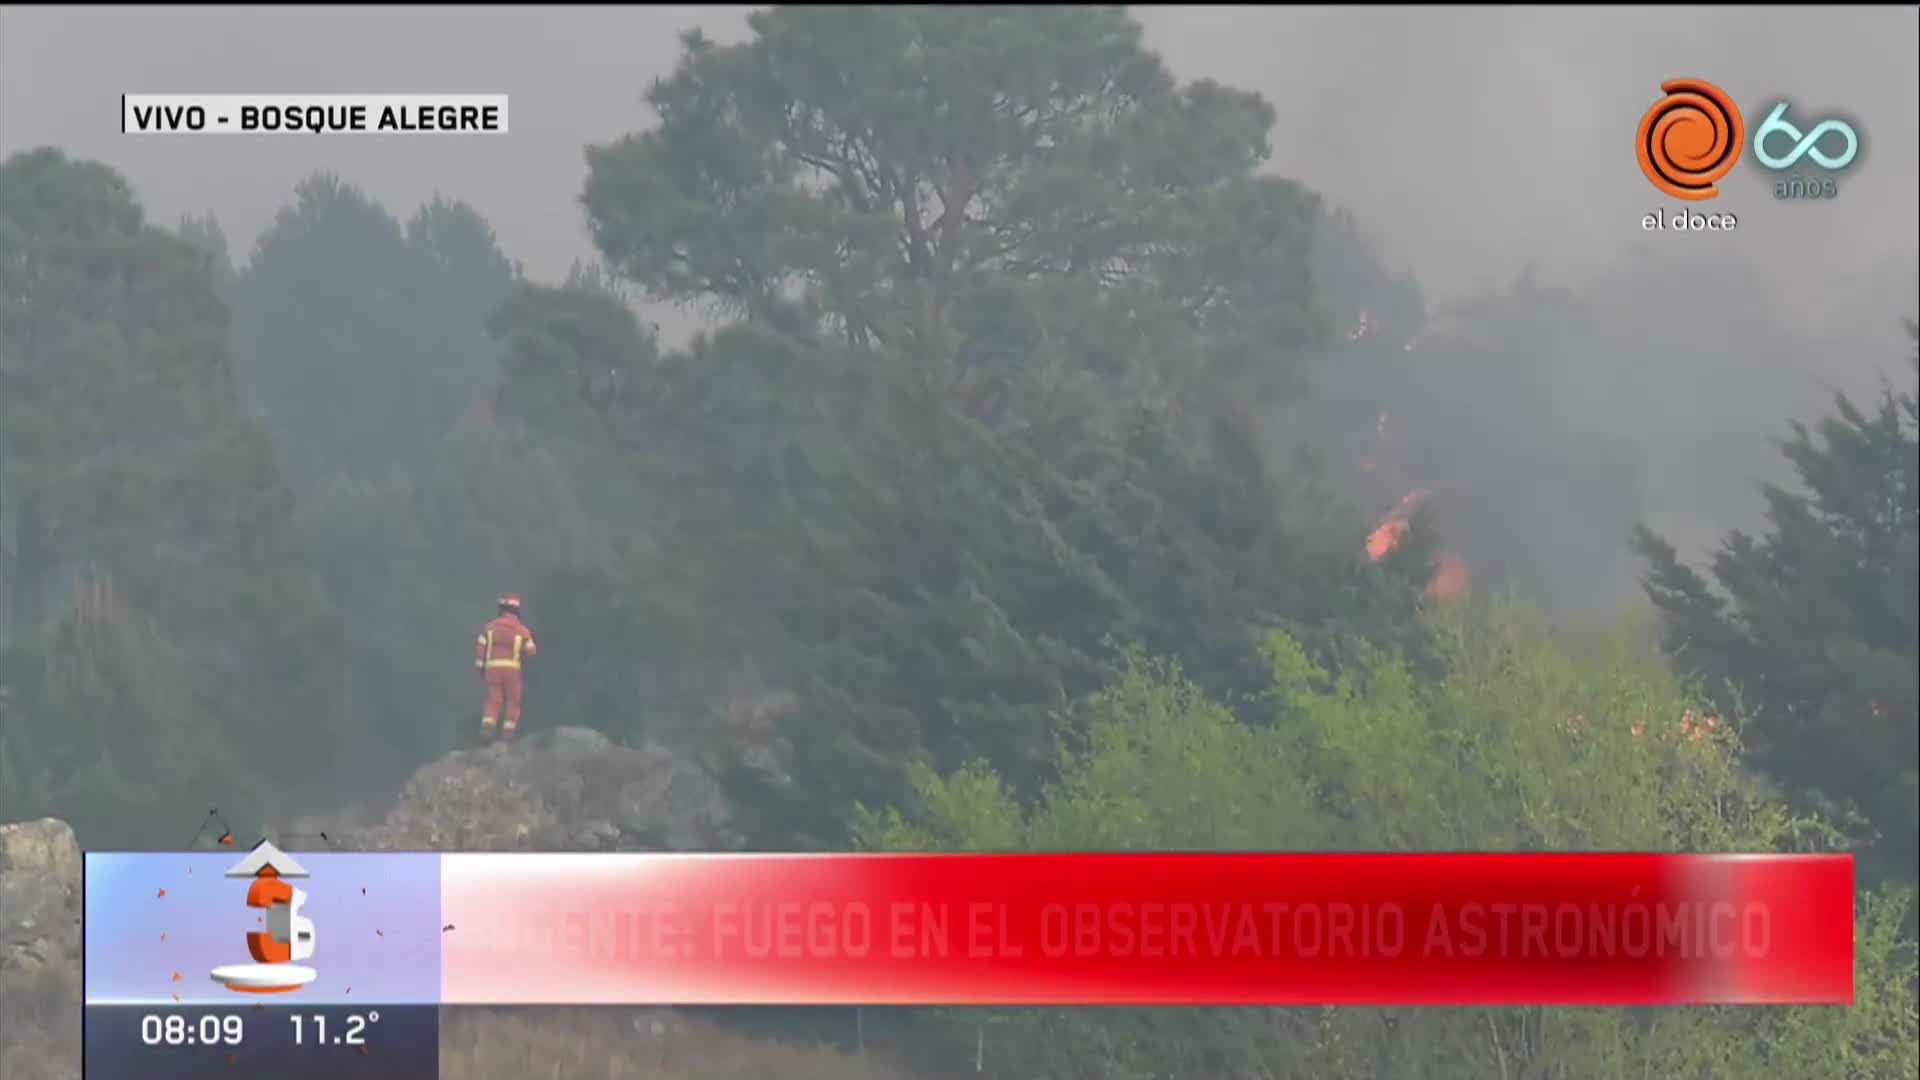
1812, 632
163, 641
1005, 300
361, 340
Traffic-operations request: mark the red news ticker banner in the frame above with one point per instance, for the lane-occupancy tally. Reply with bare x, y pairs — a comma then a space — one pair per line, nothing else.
1149, 929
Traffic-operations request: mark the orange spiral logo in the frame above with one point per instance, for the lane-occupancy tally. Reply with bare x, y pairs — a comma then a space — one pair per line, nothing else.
1690, 138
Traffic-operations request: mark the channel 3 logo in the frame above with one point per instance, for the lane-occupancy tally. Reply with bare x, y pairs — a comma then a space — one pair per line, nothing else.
289, 934
1692, 137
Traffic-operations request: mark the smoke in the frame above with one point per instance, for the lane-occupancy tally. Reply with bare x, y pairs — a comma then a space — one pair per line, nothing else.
1476, 145
1575, 374
1475, 142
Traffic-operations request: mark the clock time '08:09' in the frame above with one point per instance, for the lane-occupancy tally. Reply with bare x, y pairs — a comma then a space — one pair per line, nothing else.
177, 1030
314, 1029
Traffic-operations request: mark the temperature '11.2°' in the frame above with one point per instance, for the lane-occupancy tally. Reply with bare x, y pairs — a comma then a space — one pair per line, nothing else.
313, 1029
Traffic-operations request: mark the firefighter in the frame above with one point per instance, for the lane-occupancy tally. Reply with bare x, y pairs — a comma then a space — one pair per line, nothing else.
504, 643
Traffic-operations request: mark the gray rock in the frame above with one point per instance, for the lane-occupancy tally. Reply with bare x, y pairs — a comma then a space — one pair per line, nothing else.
39, 928
570, 790
39, 897
43, 846
39, 950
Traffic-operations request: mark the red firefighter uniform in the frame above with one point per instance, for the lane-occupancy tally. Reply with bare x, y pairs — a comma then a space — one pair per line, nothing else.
503, 646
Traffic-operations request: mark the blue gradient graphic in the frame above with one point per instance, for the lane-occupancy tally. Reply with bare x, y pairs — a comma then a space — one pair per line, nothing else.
376, 922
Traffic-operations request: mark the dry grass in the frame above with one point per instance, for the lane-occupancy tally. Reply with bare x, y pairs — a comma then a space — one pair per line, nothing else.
628, 1044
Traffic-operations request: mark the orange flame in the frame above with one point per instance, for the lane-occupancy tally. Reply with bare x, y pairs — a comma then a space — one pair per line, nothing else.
1451, 573
1450, 578
1693, 726
1384, 538
1697, 727
1386, 535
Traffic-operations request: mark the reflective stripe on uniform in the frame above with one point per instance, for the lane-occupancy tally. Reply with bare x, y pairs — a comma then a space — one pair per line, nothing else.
520, 641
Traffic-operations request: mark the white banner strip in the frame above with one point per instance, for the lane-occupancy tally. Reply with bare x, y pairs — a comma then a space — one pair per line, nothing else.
313, 114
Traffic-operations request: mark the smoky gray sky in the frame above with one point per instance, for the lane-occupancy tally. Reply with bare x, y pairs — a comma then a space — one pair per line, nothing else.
1472, 141
1473, 144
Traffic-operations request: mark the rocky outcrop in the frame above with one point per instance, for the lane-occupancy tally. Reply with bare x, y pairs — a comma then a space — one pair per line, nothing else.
570, 790
39, 897
39, 951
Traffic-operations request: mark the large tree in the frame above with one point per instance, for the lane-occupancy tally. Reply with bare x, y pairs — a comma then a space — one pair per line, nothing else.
363, 341
164, 646
966, 188
998, 295
1811, 635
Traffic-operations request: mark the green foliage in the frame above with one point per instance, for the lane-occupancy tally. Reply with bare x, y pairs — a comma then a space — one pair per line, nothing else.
929, 584
161, 634
206, 234
1004, 295
368, 350
1813, 629
364, 342
668, 459
1528, 744
1026, 184
573, 356
415, 560
1005, 308
119, 687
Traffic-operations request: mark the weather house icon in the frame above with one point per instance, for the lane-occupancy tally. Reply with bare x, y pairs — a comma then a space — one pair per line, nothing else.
288, 936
